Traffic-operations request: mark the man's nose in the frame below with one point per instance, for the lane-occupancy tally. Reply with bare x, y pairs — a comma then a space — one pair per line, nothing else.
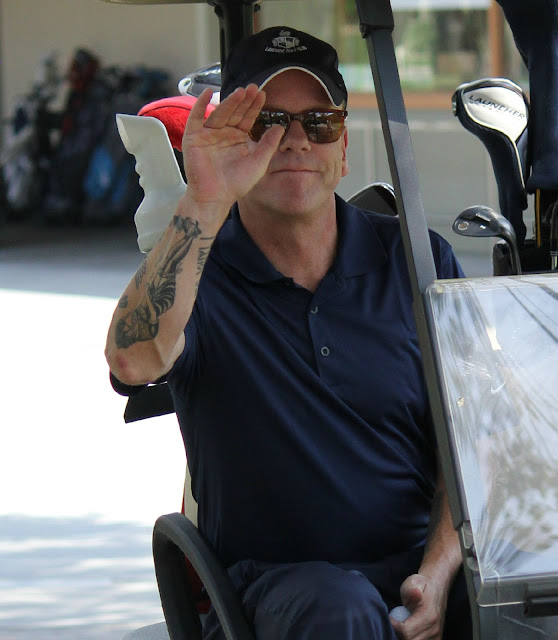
295, 139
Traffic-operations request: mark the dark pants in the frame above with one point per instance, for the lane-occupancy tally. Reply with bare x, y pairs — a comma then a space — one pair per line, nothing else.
322, 601
534, 24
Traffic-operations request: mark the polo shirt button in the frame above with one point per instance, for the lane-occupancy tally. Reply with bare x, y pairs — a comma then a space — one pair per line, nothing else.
324, 351
314, 310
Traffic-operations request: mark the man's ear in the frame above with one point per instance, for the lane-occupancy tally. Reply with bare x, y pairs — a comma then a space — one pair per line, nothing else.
345, 166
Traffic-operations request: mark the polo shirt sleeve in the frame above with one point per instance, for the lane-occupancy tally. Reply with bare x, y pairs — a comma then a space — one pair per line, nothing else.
130, 390
125, 389
190, 359
447, 265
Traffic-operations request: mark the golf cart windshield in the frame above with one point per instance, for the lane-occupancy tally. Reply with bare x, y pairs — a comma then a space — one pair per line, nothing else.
497, 346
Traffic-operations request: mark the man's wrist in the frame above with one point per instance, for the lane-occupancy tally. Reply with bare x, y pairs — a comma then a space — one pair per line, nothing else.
210, 214
442, 569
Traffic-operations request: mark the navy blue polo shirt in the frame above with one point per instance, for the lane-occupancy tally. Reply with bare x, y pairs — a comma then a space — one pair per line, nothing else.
305, 415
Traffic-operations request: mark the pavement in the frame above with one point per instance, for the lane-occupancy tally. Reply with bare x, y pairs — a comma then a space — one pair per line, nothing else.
80, 489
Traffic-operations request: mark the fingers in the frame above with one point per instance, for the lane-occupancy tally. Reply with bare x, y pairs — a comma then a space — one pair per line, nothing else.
426, 619
228, 113
268, 144
237, 114
239, 109
231, 120
412, 591
417, 627
251, 111
197, 114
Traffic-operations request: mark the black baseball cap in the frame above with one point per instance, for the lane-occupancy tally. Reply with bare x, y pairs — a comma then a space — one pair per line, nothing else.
262, 56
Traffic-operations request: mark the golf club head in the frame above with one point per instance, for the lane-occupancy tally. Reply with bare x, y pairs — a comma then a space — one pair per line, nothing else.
480, 221
496, 110
194, 83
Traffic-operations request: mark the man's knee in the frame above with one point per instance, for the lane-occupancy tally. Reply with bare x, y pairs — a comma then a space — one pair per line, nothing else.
314, 600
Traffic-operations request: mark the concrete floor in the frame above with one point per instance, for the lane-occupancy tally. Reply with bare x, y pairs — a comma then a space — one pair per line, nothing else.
80, 489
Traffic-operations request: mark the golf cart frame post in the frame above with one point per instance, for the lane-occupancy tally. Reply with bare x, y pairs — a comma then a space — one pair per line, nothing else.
236, 21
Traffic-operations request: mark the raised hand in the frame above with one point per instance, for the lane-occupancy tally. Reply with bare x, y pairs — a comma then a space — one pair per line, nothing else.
221, 162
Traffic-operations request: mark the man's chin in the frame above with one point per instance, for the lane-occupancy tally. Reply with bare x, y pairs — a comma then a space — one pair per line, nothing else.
297, 190
291, 196
299, 202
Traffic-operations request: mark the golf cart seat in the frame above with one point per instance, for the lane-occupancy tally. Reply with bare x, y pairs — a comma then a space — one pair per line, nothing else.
181, 554
190, 577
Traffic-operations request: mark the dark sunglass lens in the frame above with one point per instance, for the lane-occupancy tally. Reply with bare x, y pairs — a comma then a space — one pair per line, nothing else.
280, 117
260, 126
266, 120
326, 126
320, 126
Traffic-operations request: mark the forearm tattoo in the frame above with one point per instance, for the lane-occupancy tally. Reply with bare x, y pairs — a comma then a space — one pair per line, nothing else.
142, 323
140, 273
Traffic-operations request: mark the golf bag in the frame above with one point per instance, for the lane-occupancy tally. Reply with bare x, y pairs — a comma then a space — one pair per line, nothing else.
112, 192
83, 121
25, 159
497, 111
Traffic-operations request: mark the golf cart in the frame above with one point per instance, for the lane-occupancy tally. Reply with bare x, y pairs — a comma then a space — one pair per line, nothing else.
489, 348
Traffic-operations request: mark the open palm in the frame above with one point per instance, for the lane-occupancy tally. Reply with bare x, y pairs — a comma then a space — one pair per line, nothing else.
221, 162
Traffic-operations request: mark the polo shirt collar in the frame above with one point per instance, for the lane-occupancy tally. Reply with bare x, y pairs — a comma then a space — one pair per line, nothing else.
360, 249
240, 251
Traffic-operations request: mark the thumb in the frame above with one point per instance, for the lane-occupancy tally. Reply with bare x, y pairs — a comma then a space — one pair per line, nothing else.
412, 591
269, 143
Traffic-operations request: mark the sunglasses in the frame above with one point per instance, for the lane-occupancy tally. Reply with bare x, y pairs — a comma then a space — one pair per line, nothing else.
319, 126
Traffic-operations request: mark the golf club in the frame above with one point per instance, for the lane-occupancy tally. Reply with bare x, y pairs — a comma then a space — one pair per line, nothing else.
480, 221
496, 110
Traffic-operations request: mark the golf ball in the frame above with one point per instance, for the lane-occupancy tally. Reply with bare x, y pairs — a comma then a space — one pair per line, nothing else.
400, 614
